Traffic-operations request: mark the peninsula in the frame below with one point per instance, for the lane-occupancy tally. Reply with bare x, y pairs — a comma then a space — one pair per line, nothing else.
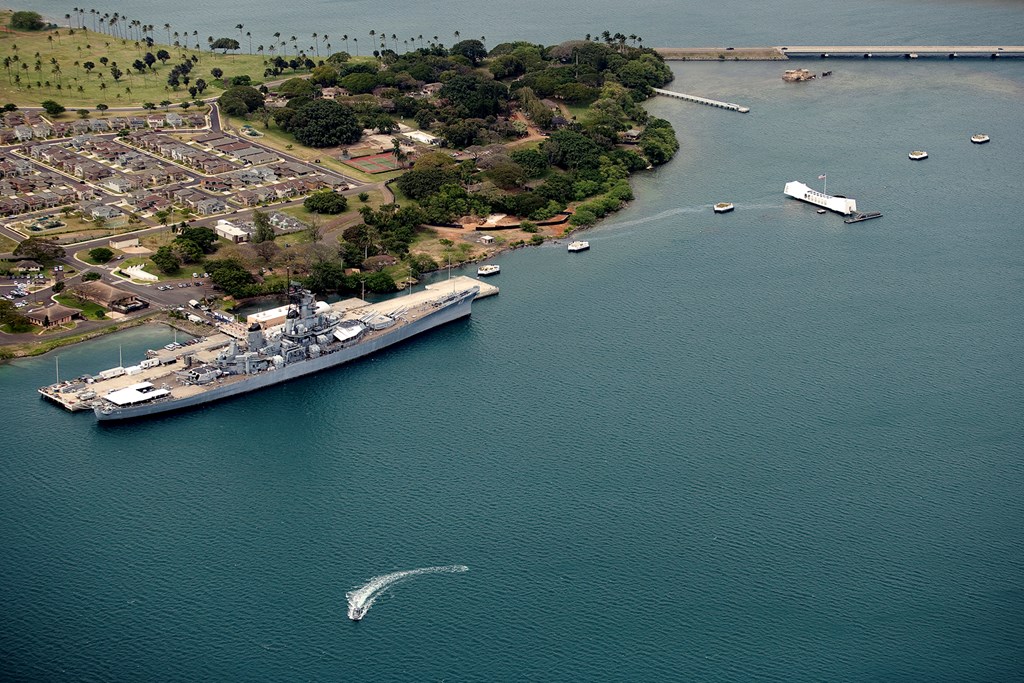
138, 169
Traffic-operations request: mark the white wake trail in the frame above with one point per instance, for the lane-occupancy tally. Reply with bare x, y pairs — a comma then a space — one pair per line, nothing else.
361, 599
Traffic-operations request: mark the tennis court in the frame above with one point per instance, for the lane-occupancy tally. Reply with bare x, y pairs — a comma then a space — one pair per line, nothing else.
377, 163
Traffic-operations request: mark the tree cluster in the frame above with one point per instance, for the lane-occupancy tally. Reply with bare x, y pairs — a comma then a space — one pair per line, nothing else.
27, 21
326, 201
39, 249
240, 100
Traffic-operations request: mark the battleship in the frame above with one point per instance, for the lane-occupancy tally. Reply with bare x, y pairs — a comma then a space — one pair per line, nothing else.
313, 337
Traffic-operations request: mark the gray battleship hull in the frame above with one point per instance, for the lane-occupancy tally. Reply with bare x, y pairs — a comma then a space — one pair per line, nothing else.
460, 309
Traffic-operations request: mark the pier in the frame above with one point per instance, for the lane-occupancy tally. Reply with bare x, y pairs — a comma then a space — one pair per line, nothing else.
702, 100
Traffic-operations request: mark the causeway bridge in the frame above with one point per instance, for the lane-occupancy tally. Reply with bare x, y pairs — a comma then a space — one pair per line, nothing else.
903, 51
841, 51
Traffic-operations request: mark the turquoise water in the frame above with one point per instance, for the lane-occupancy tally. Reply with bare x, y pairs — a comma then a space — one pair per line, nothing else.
759, 446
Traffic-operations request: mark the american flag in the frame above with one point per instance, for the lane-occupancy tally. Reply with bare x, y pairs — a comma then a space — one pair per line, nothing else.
821, 177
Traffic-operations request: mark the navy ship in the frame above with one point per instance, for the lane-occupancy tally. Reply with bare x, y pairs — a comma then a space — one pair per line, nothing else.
314, 336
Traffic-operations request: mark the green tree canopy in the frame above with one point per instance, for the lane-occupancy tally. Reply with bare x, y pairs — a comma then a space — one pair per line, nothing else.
477, 97
264, 231
27, 21
240, 100
39, 249
166, 260
224, 44
231, 276
101, 254
204, 238
325, 123
52, 107
472, 49
296, 87
658, 141
326, 201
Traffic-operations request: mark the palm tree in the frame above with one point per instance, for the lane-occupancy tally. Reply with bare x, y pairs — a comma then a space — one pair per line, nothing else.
345, 38
239, 27
457, 36
420, 36
356, 41
317, 42
249, 36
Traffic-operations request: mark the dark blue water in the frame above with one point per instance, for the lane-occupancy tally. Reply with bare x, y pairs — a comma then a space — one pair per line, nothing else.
660, 23
759, 446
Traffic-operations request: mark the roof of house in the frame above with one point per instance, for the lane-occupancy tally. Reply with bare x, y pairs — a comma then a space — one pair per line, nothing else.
101, 292
54, 312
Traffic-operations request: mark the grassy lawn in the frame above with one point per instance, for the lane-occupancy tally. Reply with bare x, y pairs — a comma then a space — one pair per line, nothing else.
7, 245
82, 89
151, 268
77, 230
84, 256
90, 310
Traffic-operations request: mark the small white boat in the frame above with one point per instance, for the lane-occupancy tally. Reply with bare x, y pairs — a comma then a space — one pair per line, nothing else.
724, 207
356, 613
979, 139
489, 269
917, 155
821, 210
579, 245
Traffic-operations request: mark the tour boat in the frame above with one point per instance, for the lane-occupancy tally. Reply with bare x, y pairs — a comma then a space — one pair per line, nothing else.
917, 155
578, 246
489, 269
979, 139
724, 207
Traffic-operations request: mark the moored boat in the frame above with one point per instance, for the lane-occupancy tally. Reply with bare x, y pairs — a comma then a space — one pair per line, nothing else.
724, 207
980, 139
488, 270
578, 245
917, 155
866, 216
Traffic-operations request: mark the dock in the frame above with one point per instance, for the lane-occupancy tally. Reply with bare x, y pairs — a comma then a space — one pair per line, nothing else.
702, 100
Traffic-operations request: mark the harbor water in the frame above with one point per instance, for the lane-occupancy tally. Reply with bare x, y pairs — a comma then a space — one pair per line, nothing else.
764, 445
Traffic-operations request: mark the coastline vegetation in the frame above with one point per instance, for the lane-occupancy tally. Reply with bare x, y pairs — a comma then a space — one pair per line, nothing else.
545, 135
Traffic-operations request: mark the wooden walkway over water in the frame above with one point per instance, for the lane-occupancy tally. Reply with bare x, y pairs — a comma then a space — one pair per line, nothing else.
702, 100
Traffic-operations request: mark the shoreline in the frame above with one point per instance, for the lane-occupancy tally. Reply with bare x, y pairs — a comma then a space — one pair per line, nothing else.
18, 350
